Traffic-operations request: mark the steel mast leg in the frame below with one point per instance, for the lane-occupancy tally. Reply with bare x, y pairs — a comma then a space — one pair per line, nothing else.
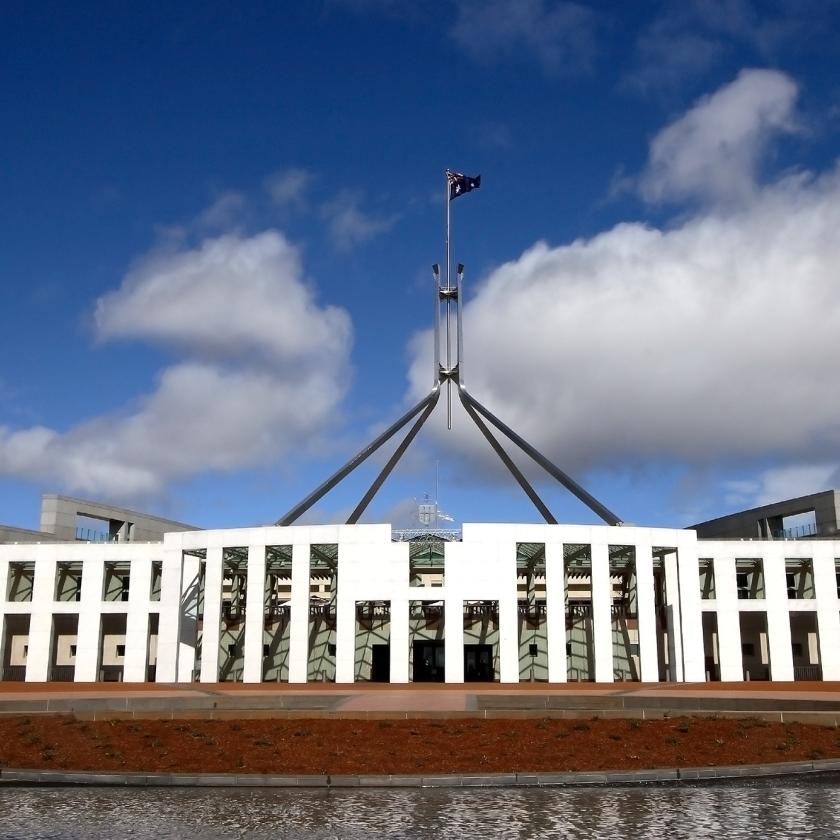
508, 462
392, 461
357, 459
567, 481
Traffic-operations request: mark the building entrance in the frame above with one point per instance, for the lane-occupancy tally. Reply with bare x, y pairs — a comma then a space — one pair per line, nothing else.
429, 661
380, 663
478, 663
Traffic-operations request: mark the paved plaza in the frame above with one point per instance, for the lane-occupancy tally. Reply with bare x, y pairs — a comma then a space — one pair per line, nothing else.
811, 702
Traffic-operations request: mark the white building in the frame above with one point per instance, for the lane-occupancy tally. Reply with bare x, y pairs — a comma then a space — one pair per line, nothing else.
351, 603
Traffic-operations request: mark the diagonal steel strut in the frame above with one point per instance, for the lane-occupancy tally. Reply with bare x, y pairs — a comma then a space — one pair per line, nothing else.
393, 460
567, 481
357, 459
508, 462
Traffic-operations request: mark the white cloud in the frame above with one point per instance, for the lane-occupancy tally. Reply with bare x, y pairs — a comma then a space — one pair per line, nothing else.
780, 483
231, 297
349, 225
288, 188
262, 373
710, 342
559, 35
686, 39
714, 151
223, 213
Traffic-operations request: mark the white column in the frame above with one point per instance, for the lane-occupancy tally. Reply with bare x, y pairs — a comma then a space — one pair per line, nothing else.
299, 619
345, 638
646, 607
211, 629
399, 640
188, 634
828, 609
602, 613
40, 623
778, 616
555, 607
254, 615
169, 622
728, 620
90, 619
691, 616
508, 634
672, 602
4, 591
137, 620
453, 639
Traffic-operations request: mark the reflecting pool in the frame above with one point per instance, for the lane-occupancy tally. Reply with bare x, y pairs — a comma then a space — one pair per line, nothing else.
807, 808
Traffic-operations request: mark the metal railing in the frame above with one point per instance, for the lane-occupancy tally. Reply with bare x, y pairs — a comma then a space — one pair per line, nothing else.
798, 532
62, 673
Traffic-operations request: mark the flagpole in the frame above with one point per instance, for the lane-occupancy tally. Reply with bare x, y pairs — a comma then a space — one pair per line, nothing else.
448, 287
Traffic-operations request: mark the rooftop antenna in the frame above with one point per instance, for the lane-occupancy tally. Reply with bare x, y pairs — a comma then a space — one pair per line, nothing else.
456, 184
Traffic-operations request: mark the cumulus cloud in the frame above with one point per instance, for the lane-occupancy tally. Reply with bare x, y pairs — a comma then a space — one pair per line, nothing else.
709, 342
222, 300
780, 483
559, 35
714, 151
348, 225
261, 372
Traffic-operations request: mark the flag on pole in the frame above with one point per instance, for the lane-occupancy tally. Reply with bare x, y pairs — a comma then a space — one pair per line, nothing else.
460, 183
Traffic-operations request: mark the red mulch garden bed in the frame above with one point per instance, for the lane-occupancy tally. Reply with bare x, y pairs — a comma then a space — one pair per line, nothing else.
333, 746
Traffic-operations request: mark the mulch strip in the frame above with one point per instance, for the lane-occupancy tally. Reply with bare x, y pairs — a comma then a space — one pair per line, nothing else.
333, 746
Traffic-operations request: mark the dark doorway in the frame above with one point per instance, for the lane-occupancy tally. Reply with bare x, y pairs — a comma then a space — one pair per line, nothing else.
428, 661
380, 663
478, 663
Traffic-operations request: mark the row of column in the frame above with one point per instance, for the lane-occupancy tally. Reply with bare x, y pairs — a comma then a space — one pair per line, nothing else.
89, 609
778, 607
178, 623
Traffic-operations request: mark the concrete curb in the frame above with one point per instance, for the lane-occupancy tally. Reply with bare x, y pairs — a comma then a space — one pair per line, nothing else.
665, 776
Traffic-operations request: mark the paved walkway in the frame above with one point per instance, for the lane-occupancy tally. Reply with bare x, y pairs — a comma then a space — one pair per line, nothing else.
816, 702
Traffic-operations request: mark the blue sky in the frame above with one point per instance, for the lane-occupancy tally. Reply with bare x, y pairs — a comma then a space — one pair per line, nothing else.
216, 227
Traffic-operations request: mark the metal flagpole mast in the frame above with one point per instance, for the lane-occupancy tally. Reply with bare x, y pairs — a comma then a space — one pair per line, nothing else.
448, 288
456, 185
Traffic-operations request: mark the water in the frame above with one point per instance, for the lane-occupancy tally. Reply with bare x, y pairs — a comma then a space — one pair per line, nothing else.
810, 808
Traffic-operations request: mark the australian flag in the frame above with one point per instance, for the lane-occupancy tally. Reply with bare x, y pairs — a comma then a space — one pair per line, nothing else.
460, 184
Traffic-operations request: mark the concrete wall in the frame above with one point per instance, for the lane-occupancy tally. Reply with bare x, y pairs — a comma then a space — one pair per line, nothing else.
59, 516
766, 521
480, 568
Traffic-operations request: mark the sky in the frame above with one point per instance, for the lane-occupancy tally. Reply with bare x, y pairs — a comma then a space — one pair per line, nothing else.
217, 225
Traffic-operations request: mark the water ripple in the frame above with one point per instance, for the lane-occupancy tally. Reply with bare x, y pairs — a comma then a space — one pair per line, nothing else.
810, 808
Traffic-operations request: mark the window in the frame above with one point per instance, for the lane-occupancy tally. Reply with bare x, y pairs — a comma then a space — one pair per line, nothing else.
796, 648
231, 649
120, 650
532, 650
330, 649
790, 579
568, 648
742, 581
25, 650
634, 649
72, 650
748, 649
266, 650
707, 579
157, 571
